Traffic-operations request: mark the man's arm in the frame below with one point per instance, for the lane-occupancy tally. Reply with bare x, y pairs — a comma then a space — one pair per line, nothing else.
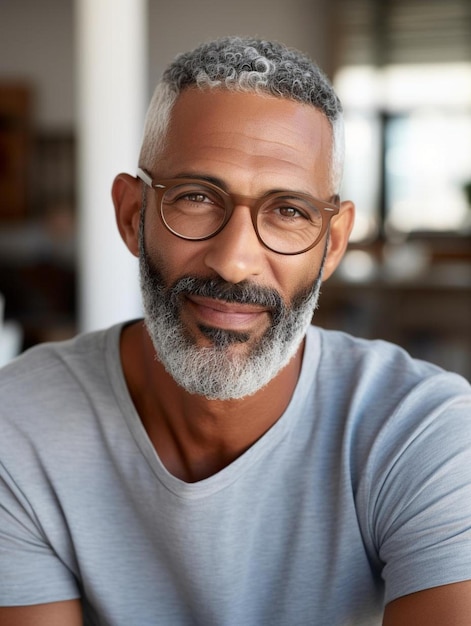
448, 605
53, 614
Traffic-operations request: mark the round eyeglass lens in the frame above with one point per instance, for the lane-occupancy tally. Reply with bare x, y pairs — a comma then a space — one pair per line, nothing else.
289, 224
193, 210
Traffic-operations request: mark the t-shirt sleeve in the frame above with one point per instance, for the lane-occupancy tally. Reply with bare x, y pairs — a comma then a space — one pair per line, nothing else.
31, 572
418, 490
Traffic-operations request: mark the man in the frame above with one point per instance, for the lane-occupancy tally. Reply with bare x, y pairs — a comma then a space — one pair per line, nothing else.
225, 462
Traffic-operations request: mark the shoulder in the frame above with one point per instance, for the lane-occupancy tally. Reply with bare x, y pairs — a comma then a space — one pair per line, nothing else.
47, 381
56, 399
389, 410
61, 356
381, 370
356, 350
50, 354
365, 385
385, 396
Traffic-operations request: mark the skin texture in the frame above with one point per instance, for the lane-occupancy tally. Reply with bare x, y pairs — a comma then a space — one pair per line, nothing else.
251, 145
448, 605
52, 614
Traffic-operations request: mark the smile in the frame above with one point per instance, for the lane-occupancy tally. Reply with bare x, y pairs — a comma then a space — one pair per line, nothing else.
228, 315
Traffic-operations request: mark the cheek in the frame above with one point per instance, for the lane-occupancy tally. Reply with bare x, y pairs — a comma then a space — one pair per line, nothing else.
175, 257
155, 245
297, 273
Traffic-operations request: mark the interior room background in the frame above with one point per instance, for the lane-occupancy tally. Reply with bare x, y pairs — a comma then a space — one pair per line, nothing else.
75, 79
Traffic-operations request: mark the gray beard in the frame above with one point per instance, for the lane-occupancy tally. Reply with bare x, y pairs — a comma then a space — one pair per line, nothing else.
222, 371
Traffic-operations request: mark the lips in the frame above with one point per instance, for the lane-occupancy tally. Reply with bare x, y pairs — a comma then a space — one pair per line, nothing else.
223, 314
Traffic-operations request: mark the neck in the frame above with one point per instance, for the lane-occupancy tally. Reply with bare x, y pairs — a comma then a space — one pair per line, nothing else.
196, 437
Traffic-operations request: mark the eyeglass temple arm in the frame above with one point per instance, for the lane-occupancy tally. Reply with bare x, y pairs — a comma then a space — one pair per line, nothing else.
335, 200
144, 176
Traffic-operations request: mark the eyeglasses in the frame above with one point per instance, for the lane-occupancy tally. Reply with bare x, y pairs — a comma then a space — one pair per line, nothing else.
285, 222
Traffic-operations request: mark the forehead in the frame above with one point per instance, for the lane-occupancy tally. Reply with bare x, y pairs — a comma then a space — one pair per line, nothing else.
249, 137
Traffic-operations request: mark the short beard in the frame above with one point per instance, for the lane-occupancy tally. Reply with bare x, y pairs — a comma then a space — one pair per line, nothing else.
221, 371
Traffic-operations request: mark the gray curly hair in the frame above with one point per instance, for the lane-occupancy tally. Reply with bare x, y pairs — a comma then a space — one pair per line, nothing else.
244, 65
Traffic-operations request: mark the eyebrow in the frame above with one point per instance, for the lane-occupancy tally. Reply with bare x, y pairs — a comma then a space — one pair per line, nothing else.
209, 179
220, 183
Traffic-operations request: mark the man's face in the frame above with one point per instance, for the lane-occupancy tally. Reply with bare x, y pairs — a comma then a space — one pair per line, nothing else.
228, 307
232, 363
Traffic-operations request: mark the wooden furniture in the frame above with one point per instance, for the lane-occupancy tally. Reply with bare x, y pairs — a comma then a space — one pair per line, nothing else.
15, 150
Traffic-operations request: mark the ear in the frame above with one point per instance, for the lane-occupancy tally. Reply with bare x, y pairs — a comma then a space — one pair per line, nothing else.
340, 228
127, 199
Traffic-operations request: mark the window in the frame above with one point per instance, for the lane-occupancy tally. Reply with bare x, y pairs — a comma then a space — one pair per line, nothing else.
408, 159
404, 76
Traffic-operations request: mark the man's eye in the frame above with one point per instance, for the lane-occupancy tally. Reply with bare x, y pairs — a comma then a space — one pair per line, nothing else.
196, 197
290, 212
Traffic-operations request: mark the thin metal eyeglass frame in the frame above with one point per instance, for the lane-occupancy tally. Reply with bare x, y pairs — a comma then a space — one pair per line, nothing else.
327, 209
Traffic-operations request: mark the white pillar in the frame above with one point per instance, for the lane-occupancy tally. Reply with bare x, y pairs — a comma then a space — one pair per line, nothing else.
111, 66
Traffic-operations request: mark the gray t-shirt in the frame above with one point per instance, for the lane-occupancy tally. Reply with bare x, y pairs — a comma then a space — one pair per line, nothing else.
360, 493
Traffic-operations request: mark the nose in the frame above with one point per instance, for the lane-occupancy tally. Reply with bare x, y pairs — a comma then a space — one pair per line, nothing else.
236, 253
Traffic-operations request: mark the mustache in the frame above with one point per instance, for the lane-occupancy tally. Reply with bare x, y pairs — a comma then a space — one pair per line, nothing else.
215, 287
239, 293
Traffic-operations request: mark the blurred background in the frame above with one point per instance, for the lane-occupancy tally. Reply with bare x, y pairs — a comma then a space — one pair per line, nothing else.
76, 77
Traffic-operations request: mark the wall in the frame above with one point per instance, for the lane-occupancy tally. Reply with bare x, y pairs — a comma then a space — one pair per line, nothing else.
37, 39
178, 25
36, 44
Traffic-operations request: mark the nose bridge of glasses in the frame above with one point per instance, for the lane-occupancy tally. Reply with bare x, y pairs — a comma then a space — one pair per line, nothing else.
238, 200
